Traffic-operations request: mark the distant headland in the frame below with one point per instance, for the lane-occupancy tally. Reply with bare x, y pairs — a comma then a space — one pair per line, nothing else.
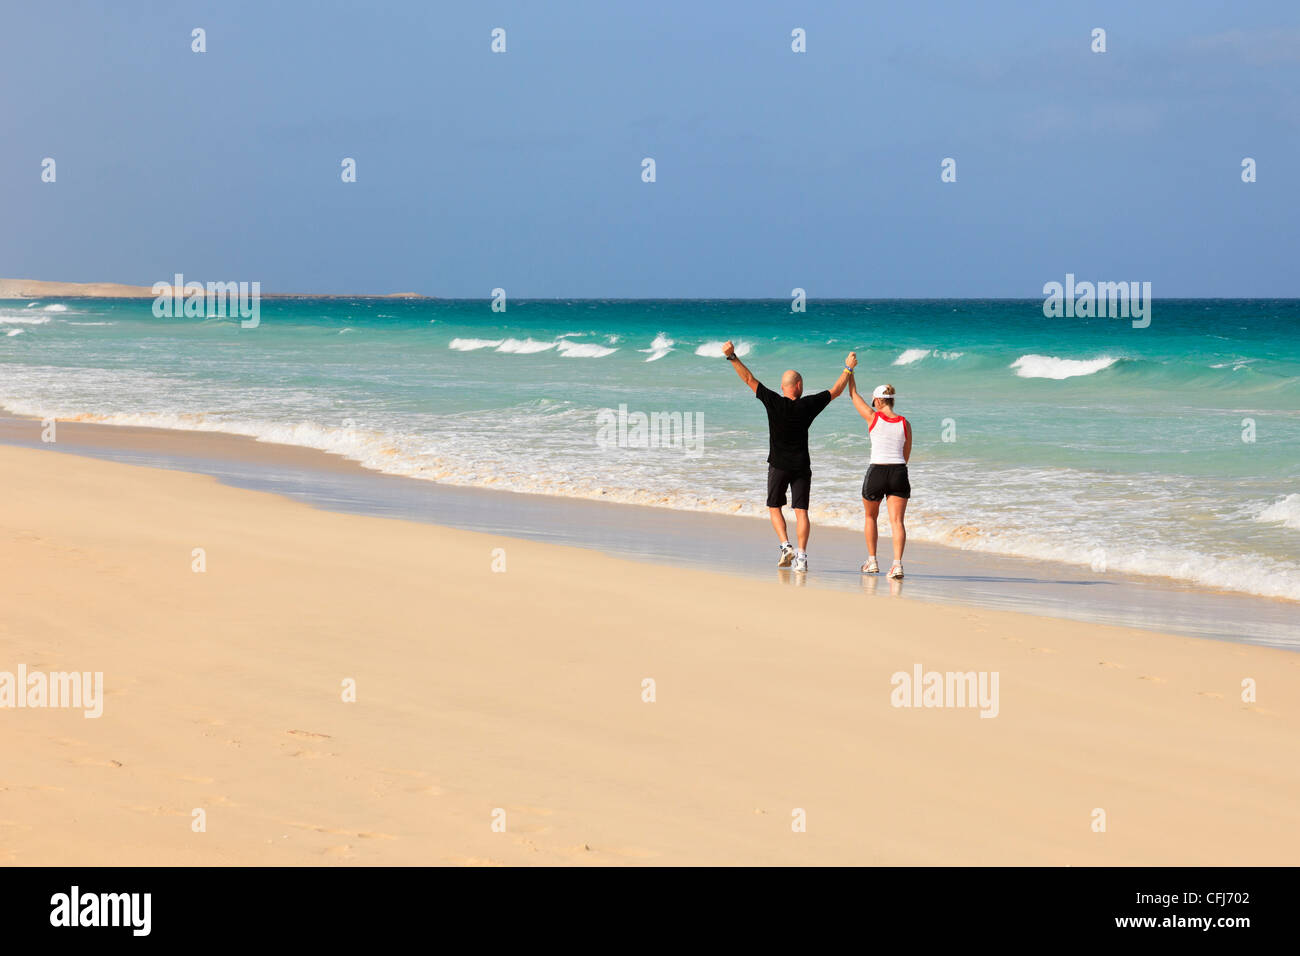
39, 289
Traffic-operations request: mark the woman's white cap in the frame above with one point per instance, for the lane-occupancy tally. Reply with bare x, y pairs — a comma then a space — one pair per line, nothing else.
881, 393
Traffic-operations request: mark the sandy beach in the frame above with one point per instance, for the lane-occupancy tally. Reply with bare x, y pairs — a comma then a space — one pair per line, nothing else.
506, 686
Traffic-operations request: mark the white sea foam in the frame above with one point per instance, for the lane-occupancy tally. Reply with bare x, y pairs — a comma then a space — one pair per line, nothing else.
70, 322
911, 355
660, 347
714, 349
524, 346
13, 332
583, 349
1049, 366
56, 307
1284, 511
459, 455
22, 320
1247, 573
470, 345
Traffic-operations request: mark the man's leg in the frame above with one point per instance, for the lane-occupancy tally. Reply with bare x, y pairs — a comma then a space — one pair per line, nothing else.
802, 527
777, 482
799, 493
778, 525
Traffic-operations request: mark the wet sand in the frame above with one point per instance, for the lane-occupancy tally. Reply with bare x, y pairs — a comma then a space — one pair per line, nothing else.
733, 545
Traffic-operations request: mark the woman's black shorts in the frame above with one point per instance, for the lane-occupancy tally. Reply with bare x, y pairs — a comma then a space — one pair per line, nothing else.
882, 480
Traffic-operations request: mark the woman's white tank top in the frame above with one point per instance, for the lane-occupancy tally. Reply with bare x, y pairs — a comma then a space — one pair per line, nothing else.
888, 435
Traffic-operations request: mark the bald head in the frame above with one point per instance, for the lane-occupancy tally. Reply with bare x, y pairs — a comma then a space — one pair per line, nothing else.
791, 384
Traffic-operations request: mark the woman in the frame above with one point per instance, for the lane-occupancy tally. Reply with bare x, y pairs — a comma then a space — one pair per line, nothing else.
891, 447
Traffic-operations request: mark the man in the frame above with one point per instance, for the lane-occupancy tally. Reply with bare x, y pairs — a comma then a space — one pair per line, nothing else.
788, 417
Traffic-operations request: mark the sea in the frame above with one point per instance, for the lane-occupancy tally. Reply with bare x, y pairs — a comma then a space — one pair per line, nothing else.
1170, 450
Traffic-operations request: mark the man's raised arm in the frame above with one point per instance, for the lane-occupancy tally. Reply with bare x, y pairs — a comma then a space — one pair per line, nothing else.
745, 374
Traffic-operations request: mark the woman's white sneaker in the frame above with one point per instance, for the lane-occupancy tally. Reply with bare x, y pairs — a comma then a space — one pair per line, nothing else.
870, 567
896, 572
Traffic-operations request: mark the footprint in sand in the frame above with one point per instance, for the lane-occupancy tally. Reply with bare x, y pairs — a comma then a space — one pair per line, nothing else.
600, 855
360, 835
429, 790
94, 762
528, 827
310, 754
630, 852
1110, 664
1154, 680
1262, 711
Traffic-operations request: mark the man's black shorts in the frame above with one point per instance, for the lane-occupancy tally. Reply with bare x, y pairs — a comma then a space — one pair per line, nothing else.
799, 483
882, 480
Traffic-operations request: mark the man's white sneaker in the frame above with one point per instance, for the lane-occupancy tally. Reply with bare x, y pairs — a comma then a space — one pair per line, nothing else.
870, 567
801, 562
896, 572
787, 555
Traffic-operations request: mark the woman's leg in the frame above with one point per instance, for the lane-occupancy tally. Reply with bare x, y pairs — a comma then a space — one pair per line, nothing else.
869, 529
897, 508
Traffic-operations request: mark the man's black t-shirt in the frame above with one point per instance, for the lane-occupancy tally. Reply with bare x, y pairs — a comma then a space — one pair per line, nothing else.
787, 427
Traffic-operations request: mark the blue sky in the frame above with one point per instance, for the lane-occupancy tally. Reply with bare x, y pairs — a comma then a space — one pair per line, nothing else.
774, 169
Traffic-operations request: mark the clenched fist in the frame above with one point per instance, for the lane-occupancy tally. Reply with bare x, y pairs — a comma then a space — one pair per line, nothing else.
851, 361
728, 350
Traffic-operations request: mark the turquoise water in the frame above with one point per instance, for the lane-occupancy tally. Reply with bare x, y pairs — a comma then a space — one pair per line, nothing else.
1084, 440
